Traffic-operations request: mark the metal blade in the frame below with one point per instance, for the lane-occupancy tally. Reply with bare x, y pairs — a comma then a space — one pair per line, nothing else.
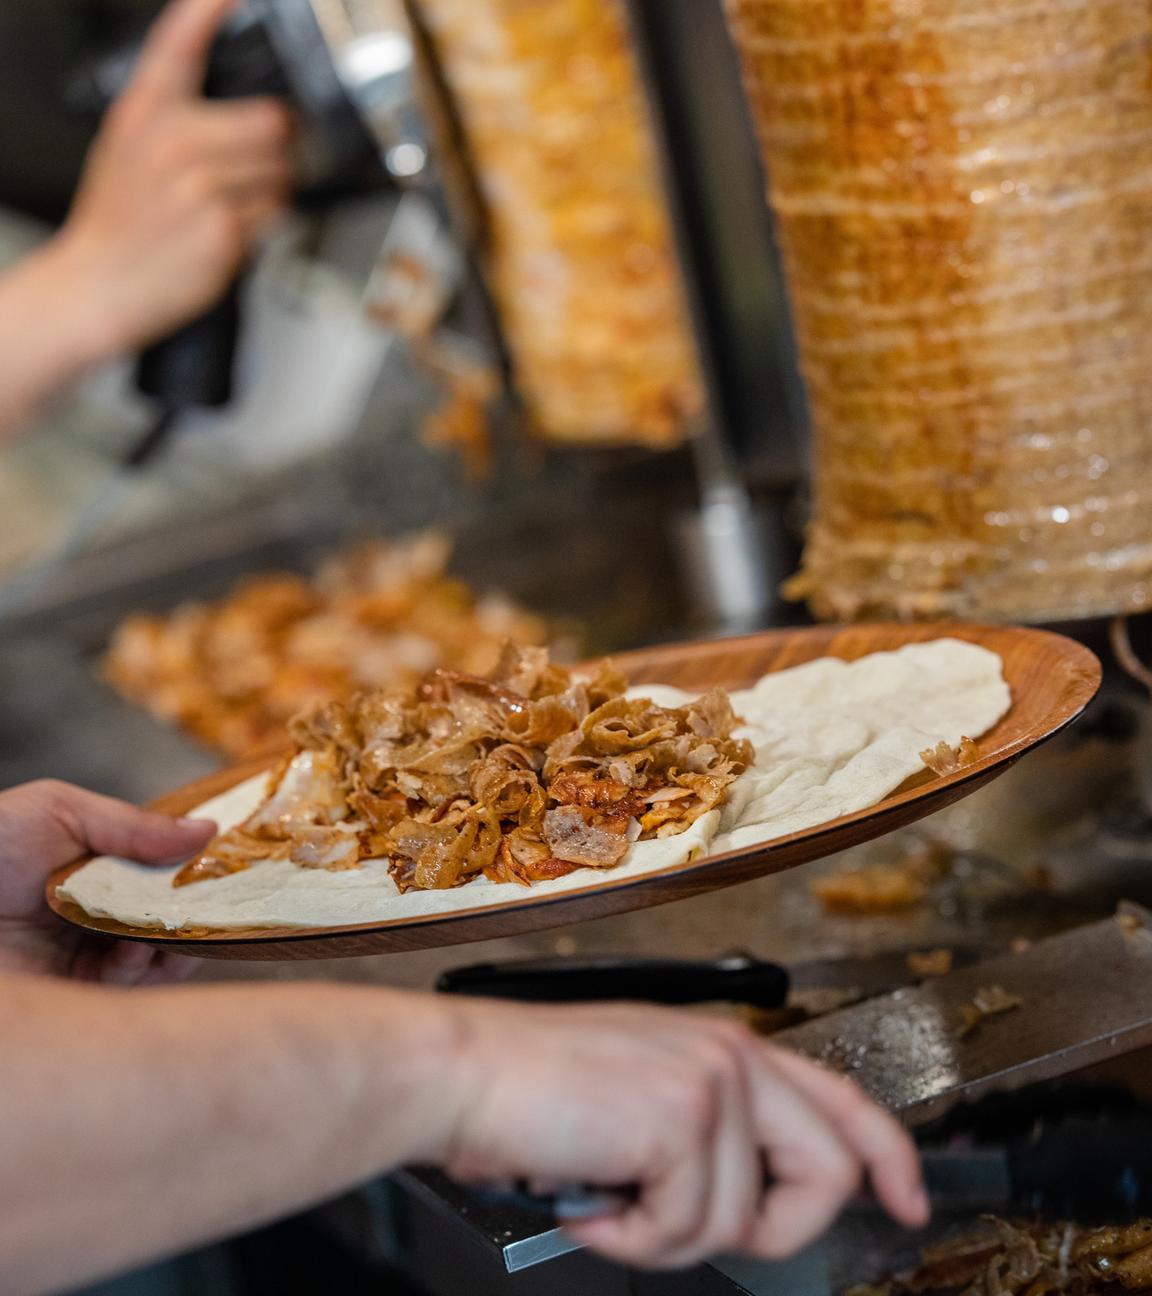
1086, 996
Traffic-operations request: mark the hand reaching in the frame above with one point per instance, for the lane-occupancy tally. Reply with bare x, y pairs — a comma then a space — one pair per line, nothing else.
177, 190
691, 1110
45, 825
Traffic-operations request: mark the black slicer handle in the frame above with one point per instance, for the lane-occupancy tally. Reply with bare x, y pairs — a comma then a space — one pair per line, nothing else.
738, 979
195, 367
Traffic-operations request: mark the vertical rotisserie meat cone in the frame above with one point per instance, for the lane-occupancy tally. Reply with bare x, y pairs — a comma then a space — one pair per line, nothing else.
963, 192
578, 246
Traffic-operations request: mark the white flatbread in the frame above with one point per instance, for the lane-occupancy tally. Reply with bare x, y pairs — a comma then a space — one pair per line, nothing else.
834, 737
831, 737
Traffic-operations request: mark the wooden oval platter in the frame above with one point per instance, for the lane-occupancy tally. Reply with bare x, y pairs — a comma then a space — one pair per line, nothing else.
1052, 679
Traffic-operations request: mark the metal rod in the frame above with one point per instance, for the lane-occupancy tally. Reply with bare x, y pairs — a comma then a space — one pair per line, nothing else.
724, 546
716, 464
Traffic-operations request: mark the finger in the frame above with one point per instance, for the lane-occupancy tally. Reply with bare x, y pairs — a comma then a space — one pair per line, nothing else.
164, 968
88, 960
737, 1178
879, 1141
663, 1227
169, 969
667, 1221
254, 180
737, 1170
108, 827
133, 963
795, 1216
813, 1173
260, 215
175, 57
125, 963
260, 127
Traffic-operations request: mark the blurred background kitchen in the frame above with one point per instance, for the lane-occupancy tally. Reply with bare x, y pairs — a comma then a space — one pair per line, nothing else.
508, 354
524, 361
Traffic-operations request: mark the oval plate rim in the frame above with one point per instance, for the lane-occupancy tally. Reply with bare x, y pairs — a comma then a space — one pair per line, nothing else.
1082, 678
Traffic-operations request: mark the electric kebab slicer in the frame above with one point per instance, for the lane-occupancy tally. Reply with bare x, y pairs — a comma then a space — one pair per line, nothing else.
348, 69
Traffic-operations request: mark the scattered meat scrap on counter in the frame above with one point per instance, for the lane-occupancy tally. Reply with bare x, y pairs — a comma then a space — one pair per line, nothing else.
885, 888
233, 673
930, 963
1005, 1258
523, 776
989, 1001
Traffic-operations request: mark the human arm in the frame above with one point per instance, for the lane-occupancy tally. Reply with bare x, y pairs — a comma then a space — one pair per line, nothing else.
47, 824
137, 1124
141, 1123
176, 193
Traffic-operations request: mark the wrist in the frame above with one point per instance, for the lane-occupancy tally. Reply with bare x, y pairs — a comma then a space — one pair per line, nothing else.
405, 1060
453, 1025
76, 303
445, 1077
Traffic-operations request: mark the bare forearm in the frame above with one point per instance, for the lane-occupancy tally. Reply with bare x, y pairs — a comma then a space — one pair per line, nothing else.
139, 1124
50, 332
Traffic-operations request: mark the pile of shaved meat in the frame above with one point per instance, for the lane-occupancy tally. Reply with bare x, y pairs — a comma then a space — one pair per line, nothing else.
527, 774
232, 673
1015, 1259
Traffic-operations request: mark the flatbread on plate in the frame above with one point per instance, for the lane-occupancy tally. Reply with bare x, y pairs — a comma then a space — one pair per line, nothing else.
831, 738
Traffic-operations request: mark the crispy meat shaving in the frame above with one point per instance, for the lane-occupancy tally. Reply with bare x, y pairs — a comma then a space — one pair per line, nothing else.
232, 852
875, 889
946, 759
523, 775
